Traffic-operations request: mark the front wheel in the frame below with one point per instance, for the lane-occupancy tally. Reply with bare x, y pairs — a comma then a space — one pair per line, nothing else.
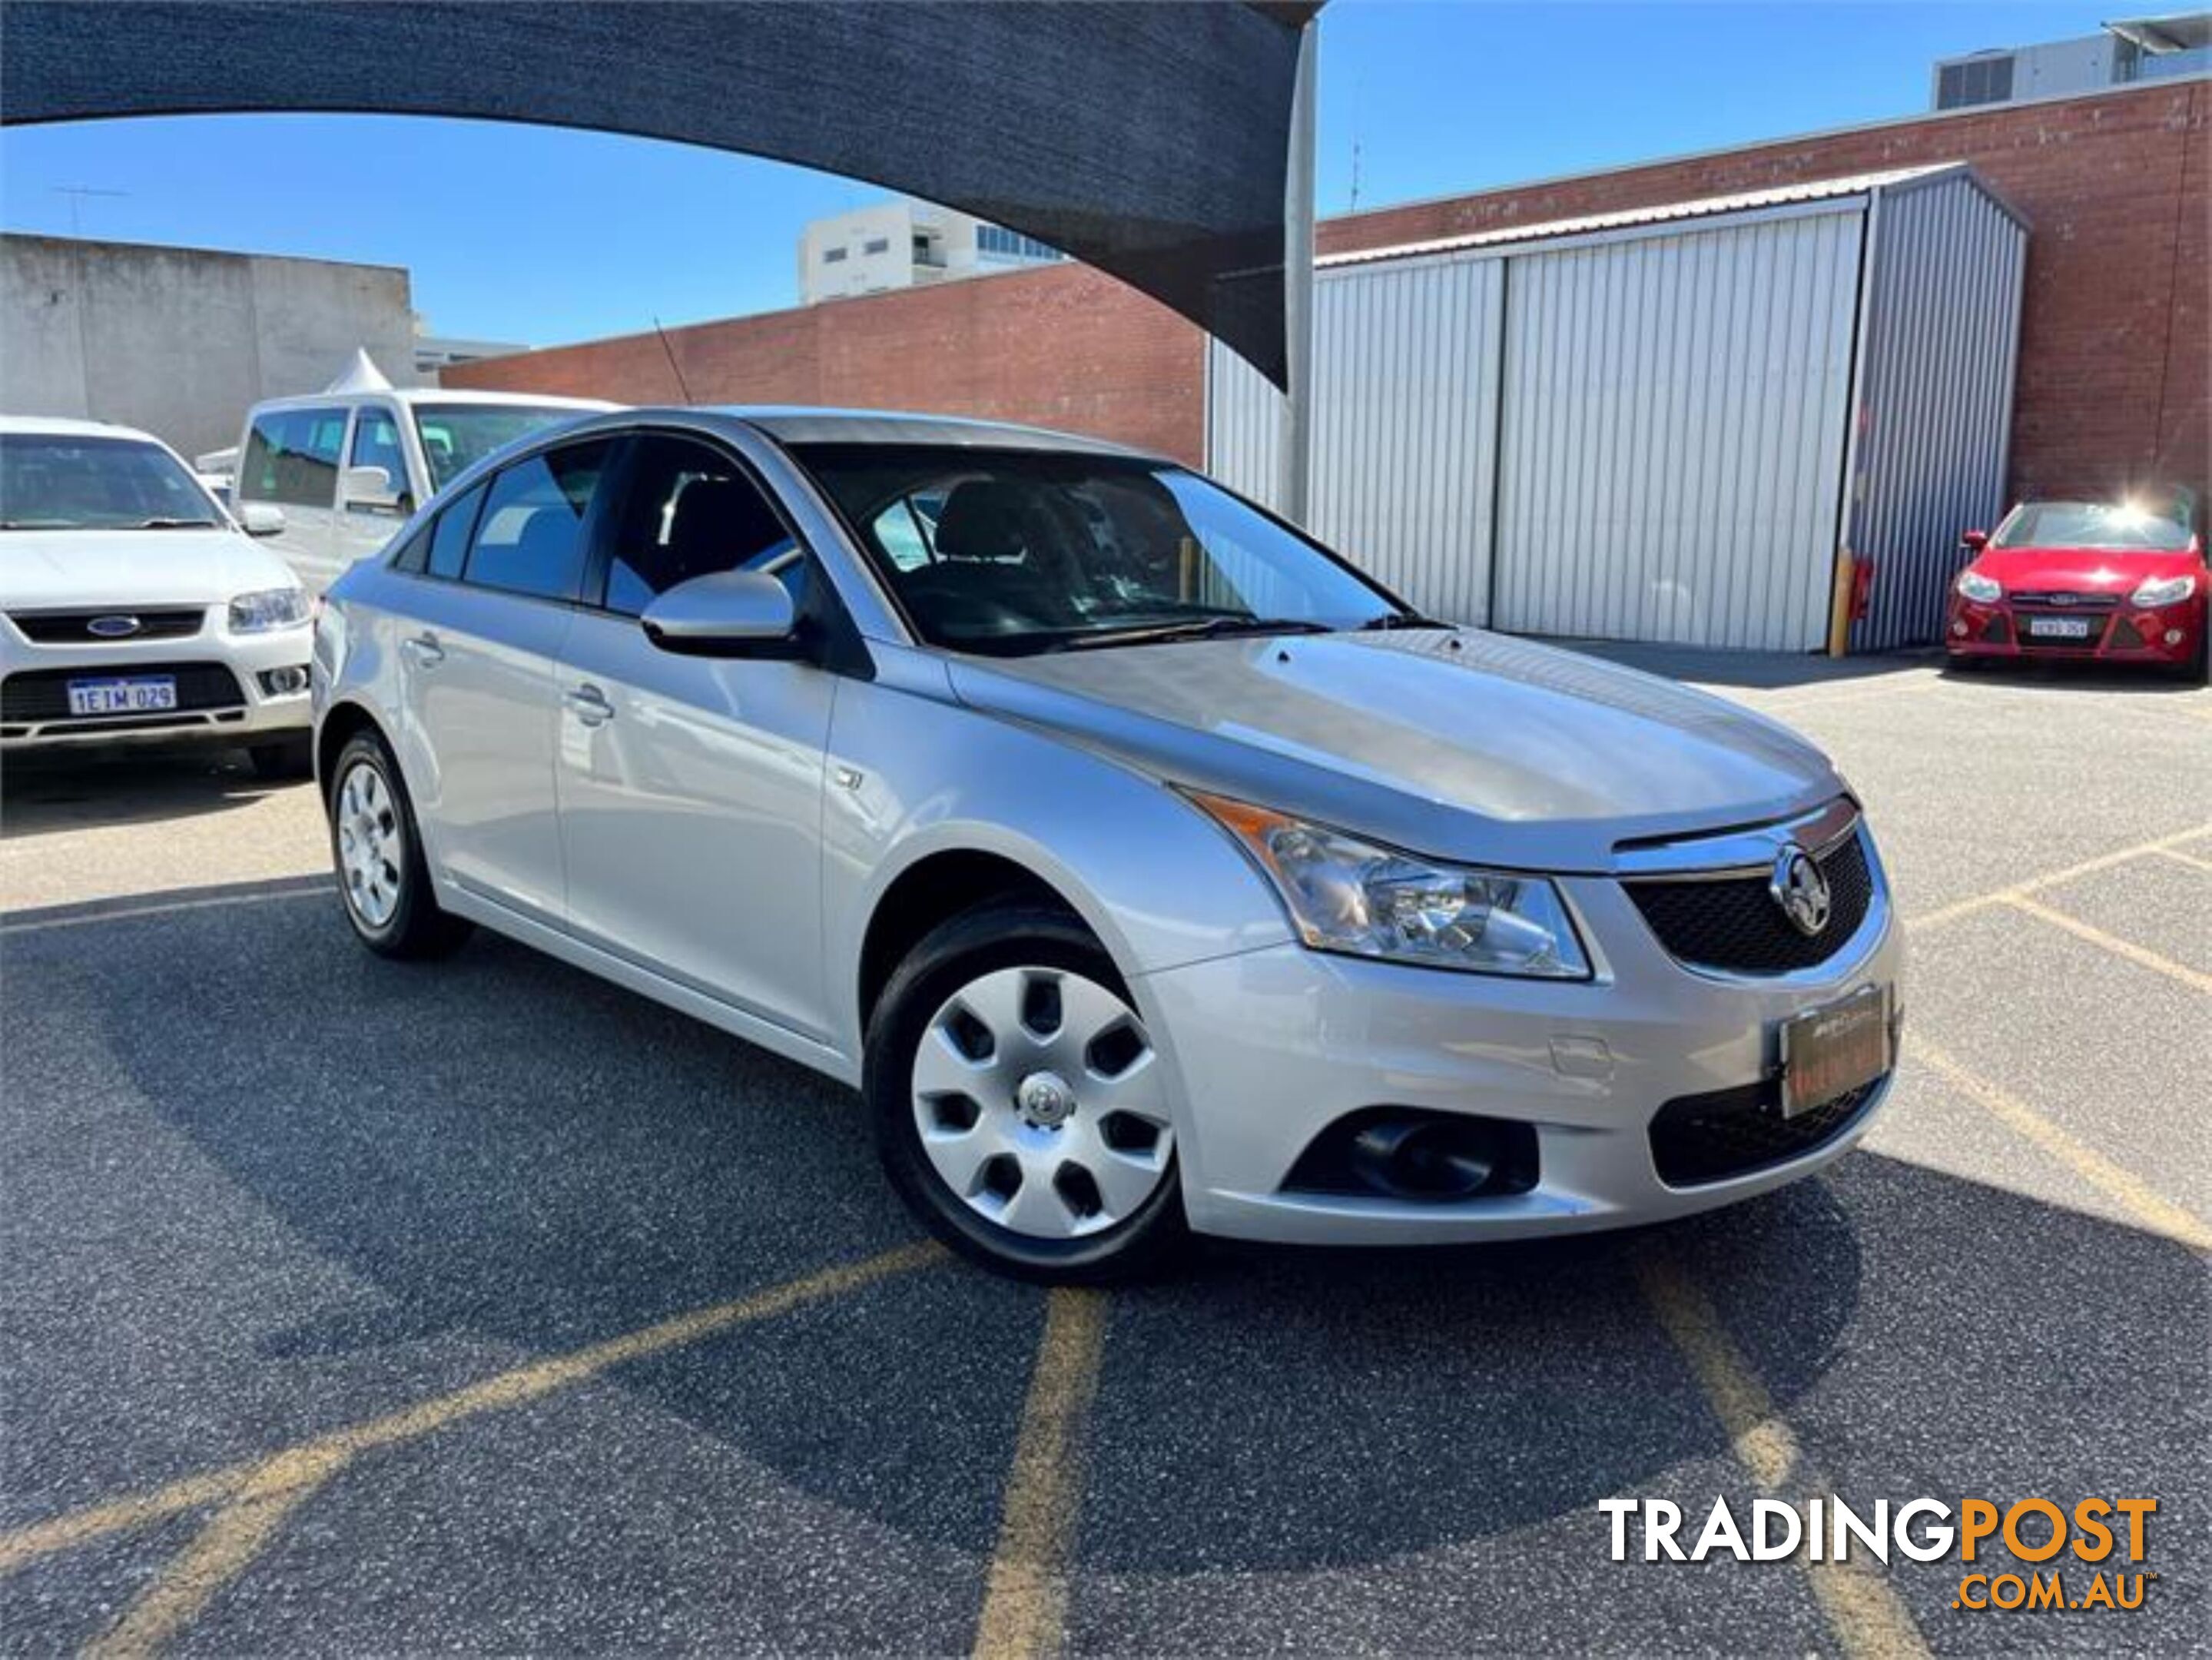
1019, 1106
378, 850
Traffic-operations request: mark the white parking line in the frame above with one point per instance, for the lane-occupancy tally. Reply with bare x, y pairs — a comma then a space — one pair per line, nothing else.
162, 908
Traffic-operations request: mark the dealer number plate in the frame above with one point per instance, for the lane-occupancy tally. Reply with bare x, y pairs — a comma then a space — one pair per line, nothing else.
2058, 628
138, 694
1833, 1049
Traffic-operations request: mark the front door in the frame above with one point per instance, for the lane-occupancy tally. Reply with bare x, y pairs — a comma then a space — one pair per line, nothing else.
364, 523
690, 788
479, 647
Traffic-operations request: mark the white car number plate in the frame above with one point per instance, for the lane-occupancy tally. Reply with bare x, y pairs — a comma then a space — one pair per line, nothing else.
2059, 627
138, 694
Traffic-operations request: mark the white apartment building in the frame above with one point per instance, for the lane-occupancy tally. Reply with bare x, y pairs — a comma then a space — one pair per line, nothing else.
905, 245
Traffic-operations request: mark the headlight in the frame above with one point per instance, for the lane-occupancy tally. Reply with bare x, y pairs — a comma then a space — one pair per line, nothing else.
1346, 895
2164, 590
1981, 590
271, 608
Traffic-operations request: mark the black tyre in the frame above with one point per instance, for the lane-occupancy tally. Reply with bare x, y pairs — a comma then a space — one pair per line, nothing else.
290, 758
377, 853
1019, 1106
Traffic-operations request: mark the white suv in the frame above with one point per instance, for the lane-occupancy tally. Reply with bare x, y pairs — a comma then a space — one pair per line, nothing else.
137, 609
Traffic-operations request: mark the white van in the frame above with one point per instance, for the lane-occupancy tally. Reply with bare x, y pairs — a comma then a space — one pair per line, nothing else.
347, 468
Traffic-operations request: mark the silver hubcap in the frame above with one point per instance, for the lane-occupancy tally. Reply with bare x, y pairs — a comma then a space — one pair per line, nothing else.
1040, 1102
371, 847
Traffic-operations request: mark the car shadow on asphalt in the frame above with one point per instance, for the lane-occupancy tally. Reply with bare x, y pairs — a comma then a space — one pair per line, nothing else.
503, 1147
2046, 674
42, 793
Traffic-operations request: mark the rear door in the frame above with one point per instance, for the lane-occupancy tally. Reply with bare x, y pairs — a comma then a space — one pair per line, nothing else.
290, 460
502, 571
690, 788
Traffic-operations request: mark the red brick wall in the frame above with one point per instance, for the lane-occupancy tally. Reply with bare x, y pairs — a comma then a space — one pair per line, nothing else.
1059, 346
2116, 346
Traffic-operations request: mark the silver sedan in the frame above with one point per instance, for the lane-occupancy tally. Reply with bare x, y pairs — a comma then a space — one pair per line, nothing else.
1146, 866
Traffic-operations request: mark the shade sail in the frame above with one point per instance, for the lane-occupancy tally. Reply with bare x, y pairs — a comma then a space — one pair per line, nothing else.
1147, 140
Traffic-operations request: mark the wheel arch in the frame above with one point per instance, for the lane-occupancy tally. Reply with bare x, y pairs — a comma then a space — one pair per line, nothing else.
931, 891
340, 724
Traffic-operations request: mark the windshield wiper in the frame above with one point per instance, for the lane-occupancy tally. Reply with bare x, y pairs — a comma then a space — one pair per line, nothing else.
1206, 628
1399, 619
174, 524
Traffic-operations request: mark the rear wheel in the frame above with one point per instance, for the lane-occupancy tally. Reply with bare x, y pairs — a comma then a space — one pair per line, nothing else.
378, 852
1019, 1106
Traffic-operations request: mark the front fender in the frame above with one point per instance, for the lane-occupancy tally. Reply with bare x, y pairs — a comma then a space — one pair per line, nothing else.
1159, 883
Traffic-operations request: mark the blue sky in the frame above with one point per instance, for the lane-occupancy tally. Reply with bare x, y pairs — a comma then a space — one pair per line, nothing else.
545, 236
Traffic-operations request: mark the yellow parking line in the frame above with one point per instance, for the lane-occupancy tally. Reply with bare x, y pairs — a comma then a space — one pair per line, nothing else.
164, 908
2194, 978
2146, 1208
2188, 859
221, 1550
1026, 1598
2051, 879
507, 1389
1864, 1613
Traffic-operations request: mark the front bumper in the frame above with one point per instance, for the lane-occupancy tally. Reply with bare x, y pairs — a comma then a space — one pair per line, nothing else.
224, 693
2168, 634
1274, 1046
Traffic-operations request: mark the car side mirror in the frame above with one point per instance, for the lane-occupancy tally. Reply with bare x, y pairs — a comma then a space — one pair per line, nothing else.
731, 613
1973, 540
261, 519
367, 486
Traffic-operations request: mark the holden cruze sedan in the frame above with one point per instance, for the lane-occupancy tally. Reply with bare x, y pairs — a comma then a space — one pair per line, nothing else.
2108, 582
1146, 867
137, 610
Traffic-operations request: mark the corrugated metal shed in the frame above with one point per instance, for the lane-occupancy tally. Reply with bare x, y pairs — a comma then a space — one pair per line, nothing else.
1661, 424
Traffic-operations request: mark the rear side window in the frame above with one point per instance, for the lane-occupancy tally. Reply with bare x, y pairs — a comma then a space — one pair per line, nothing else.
691, 511
292, 457
530, 538
449, 541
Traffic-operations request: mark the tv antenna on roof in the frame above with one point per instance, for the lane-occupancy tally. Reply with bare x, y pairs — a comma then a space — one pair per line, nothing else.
77, 193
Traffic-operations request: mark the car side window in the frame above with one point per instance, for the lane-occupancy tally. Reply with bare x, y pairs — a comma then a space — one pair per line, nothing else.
691, 511
376, 444
449, 543
530, 537
292, 458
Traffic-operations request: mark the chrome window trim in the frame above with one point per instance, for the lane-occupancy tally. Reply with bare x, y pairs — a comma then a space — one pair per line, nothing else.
1738, 853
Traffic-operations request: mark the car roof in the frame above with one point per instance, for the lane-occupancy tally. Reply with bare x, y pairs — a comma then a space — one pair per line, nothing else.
837, 426
62, 426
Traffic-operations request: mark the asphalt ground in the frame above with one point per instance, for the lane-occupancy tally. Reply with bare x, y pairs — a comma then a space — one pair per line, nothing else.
356, 1307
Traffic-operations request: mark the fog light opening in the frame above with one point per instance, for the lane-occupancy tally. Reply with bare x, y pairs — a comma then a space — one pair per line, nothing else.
1417, 1155
2174, 636
285, 682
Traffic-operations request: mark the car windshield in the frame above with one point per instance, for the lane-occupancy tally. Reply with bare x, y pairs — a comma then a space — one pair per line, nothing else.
1010, 552
2120, 527
57, 481
456, 436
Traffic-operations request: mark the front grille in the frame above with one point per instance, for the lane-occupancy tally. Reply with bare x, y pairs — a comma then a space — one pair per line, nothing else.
73, 628
1733, 924
1696, 1139
2056, 599
41, 695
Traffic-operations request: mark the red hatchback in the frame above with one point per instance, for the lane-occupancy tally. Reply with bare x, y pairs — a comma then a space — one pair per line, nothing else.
2105, 581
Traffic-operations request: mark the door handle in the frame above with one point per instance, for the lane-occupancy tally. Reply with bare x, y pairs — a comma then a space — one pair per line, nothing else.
589, 705
423, 650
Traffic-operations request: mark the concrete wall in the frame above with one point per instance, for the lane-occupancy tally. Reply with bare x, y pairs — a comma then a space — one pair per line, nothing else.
182, 341
2113, 387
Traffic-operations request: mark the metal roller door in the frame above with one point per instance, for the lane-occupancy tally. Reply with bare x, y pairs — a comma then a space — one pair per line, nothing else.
1671, 456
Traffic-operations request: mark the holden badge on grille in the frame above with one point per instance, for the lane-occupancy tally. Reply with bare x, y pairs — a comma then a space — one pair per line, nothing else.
1800, 889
